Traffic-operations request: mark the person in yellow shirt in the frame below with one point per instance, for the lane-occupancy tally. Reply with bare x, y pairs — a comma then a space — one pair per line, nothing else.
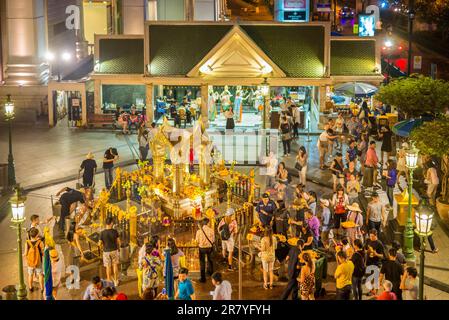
343, 276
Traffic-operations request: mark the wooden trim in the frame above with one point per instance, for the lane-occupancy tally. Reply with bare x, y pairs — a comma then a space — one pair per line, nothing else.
174, 81
226, 40
242, 23
377, 79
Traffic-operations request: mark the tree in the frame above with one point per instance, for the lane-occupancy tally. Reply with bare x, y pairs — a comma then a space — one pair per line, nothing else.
431, 139
415, 95
435, 11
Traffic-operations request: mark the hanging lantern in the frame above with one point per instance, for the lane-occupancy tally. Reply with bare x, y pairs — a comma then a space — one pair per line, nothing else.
265, 87
17, 207
411, 157
423, 219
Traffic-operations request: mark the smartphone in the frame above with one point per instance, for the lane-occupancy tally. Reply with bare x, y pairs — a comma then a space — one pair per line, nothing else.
164, 291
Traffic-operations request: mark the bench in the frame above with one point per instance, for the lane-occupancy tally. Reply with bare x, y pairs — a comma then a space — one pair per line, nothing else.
100, 120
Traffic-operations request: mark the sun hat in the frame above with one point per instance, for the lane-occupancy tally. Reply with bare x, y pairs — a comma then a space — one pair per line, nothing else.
325, 202
354, 207
266, 195
54, 255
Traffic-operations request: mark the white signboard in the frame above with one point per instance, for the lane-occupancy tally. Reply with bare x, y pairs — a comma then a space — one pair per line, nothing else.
417, 62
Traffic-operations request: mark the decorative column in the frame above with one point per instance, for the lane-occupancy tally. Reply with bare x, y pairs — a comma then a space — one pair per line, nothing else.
97, 96
204, 167
133, 16
149, 104
177, 178
204, 106
26, 42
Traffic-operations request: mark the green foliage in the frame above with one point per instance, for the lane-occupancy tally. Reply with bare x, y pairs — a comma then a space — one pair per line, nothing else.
432, 137
437, 12
416, 95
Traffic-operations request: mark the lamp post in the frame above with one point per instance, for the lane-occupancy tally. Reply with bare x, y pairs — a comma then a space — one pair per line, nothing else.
265, 90
18, 217
411, 17
388, 45
423, 221
411, 158
9, 116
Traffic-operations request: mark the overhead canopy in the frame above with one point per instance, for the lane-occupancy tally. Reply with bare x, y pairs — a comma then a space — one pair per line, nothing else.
355, 89
404, 128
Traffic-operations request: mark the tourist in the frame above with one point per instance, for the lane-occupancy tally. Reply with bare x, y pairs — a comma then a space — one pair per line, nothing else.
332, 138
57, 271
375, 214
175, 255
370, 175
343, 276
110, 157
323, 146
228, 231
375, 253
351, 152
326, 225
312, 202
354, 215
229, 115
409, 284
337, 169
36, 223
265, 208
110, 293
94, 290
364, 111
282, 178
358, 259
353, 127
89, 168
392, 271
362, 149
109, 240
185, 288
122, 119
339, 202
286, 135
385, 134
34, 251
307, 278
391, 175
68, 200
268, 246
365, 129
314, 225
432, 182
296, 114
400, 258
307, 237
353, 189
223, 288
151, 267
293, 271
270, 162
387, 294
143, 144
351, 170
205, 238
73, 238
281, 216
338, 128
301, 165
299, 205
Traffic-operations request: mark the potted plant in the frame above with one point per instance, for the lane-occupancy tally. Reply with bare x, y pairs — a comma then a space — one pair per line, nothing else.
431, 139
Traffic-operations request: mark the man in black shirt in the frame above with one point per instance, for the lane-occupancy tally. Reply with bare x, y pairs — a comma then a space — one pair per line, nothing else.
110, 241
358, 259
392, 271
110, 156
90, 167
375, 253
68, 201
293, 270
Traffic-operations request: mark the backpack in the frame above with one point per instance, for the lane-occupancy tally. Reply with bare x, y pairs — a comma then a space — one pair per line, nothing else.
225, 233
34, 255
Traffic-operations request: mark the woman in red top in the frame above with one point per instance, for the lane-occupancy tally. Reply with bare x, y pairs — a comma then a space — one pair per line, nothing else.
340, 201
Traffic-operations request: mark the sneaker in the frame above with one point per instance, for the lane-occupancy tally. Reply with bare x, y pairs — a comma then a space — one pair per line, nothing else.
435, 250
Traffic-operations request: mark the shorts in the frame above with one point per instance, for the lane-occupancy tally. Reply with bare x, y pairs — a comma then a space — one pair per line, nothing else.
336, 180
228, 245
110, 258
323, 149
37, 270
267, 266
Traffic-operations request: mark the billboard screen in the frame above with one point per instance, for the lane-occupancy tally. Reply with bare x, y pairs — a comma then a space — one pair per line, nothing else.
367, 25
295, 4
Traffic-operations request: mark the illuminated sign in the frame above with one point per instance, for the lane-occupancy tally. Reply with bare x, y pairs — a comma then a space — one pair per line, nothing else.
292, 10
295, 4
367, 25
323, 6
294, 16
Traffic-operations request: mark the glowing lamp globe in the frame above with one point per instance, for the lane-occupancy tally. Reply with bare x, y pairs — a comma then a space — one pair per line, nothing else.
411, 157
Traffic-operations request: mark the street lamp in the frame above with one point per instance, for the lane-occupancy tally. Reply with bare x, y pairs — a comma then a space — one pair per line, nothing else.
57, 59
411, 159
423, 221
411, 17
18, 217
388, 45
9, 116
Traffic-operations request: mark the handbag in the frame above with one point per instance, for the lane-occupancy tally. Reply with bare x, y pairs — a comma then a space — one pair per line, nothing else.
214, 254
298, 166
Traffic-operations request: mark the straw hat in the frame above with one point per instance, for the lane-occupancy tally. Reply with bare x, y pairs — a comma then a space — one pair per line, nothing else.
90, 155
404, 145
354, 207
324, 202
54, 255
